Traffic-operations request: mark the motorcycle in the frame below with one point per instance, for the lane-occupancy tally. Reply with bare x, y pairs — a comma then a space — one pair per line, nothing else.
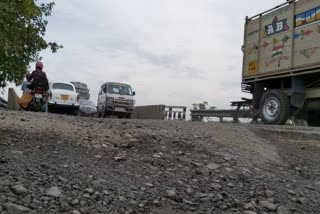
39, 100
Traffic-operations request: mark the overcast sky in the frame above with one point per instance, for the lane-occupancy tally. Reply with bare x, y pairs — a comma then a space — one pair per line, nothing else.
173, 52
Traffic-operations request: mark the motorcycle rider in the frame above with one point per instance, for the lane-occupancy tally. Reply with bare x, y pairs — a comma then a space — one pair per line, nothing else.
38, 77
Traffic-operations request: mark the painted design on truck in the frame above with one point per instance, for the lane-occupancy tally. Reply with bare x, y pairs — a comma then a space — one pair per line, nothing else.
302, 34
277, 26
307, 17
265, 44
253, 67
277, 51
276, 60
308, 53
253, 49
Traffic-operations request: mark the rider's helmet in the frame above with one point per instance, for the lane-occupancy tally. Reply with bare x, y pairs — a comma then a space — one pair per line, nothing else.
39, 65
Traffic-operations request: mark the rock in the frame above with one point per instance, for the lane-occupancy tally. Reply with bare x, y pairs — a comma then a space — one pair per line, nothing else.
249, 212
171, 194
64, 206
15, 208
196, 164
19, 189
268, 205
14, 152
294, 199
213, 166
249, 206
215, 186
53, 191
185, 201
229, 169
89, 190
189, 190
63, 180
291, 192
282, 210
120, 158
149, 185
230, 185
301, 200
75, 212
74, 202
129, 211
269, 193
106, 192
133, 202
141, 205
156, 202
156, 156
218, 197
98, 156
121, 198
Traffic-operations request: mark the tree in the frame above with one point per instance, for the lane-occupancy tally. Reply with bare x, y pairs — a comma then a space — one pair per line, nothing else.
201, 106
22, 28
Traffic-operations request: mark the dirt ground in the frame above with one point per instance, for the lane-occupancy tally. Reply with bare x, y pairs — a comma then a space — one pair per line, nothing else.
66, 164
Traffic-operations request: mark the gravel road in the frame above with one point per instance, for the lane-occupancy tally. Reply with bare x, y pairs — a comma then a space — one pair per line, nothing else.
64, 164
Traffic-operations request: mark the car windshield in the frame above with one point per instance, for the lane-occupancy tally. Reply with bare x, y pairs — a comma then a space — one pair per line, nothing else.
122, 89
62, 86
86, 103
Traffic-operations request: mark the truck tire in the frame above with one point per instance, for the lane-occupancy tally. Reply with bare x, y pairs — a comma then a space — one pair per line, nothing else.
274, 107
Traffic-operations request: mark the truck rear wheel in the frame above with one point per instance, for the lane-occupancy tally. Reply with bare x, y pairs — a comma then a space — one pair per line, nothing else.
274, 107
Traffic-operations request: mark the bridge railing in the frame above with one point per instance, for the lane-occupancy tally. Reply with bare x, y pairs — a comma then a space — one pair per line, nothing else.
175, 112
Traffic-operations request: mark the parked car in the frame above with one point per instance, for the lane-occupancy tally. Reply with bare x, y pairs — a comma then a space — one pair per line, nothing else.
116, 99
88, 108
63, 98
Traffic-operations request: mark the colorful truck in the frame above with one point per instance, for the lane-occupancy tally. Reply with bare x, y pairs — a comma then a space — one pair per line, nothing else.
281, 62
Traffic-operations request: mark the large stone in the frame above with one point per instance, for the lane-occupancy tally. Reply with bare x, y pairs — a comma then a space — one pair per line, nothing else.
282, 210
53, 191
249, 212
19, 189
268, 205
171, 194
213, 166
15, 208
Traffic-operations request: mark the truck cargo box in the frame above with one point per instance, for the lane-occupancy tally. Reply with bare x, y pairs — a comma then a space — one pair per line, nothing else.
282, 41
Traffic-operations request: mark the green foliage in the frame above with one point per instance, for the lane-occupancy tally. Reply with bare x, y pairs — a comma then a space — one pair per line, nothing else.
203, 106
22, 27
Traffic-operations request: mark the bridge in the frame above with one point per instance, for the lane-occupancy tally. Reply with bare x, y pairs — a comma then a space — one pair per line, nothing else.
242, 110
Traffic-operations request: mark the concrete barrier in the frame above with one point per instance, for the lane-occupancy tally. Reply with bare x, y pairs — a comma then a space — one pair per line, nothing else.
3, 103
13, 98
153, 112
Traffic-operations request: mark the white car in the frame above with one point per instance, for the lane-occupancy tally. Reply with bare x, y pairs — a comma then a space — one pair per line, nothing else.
63, 97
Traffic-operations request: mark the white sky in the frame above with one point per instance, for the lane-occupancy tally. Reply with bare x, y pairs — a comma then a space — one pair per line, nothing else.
172, 52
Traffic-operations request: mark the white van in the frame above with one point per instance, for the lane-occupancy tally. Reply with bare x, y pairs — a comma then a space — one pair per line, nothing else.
116, 99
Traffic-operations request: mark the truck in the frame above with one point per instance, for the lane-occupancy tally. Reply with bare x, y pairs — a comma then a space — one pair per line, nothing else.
115, 99
82, 90
281, 62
